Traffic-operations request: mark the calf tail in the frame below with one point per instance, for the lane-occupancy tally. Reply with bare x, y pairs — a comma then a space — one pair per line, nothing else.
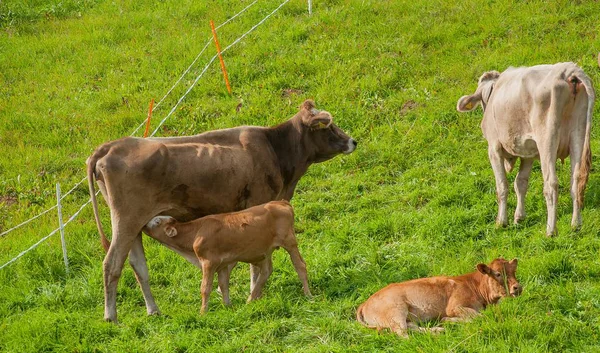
586, 156
359, 314
91, 167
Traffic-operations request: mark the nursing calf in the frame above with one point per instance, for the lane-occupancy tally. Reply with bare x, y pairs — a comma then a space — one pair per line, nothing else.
400, 306
219, 241
543, 112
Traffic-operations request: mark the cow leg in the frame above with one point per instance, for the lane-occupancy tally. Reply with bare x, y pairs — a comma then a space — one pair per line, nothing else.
265, 268
122, 241
137, 259
575, 157
415, 327
254, 271
548, 162
521, 184
497, 162
208, 274
398, 320
300, 267
223, 275
461, 314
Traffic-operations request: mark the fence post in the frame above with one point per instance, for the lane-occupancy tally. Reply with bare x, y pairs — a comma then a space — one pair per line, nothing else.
310, 7
62, 228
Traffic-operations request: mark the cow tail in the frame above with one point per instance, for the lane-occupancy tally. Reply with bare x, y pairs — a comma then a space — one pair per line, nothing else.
586, 156
91, 167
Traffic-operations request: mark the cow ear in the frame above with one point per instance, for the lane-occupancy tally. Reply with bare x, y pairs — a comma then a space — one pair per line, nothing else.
320, 121
483, 268
513, 262
468, 103
308, 105
170, 231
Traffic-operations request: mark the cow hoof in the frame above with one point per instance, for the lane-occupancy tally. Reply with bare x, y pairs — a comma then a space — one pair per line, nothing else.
519, 219
436, 330
112, 320
154, 312
501, 224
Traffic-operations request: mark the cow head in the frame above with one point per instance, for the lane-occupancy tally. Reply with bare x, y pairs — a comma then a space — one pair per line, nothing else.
501, 278
324, 138
482, 94
160, 226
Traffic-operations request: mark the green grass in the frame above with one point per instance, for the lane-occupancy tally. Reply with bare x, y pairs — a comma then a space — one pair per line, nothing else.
415, 199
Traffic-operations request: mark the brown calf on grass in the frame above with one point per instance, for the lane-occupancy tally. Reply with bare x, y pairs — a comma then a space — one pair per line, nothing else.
402, 305
220, 241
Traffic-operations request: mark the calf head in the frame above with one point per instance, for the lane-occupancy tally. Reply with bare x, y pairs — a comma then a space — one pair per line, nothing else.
482, 94
501, 278
161, 226
321, 136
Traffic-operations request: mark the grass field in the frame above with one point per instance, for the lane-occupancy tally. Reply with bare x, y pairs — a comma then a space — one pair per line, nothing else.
417, 197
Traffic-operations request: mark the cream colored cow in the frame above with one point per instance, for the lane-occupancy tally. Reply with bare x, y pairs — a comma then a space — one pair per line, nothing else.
535, 112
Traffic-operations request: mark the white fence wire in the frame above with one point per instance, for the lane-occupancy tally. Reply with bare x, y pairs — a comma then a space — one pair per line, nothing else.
153, 133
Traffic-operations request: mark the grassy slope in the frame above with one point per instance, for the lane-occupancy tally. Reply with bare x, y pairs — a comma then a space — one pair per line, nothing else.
415, 199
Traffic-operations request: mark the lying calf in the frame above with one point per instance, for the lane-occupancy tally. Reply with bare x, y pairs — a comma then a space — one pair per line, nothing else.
219, 241
401, 305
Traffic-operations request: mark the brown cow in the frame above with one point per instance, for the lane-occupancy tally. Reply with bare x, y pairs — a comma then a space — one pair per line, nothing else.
193, 176
400, 306
220, 241
543, 112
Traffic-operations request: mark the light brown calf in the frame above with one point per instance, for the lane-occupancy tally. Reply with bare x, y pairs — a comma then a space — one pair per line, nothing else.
220, 241
400, 306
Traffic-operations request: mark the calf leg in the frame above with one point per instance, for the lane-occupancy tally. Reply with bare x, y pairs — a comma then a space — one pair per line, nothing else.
300, 267
461, 314
137, 259
435, 329
122, 241
208, 274
521, 184
223, 275
265, 269
497, 162
398, 320
254, 271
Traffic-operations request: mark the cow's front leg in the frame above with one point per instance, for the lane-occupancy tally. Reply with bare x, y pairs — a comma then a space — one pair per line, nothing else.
521, 184
497, 162
137, 259
254, 272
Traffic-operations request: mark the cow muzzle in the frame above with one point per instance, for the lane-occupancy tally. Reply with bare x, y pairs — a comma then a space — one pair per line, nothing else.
351, 146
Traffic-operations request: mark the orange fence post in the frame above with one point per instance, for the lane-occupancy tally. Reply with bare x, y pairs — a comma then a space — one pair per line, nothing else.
214, 32
149, 117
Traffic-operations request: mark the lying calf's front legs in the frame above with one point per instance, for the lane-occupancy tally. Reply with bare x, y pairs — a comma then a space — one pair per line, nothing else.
461, 314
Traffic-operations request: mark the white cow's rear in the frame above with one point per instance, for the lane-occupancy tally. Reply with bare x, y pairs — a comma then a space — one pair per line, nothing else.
534, 112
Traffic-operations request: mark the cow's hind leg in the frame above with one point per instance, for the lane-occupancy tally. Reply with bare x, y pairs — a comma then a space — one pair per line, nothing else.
397, 320
122, 241
497, 162
137, 259
299, 266
575, 148
223, 276
265, 269
521, 184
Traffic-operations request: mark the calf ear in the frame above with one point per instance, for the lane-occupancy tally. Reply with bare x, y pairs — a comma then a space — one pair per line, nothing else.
468, 103
483, 268
513, 262
170, 231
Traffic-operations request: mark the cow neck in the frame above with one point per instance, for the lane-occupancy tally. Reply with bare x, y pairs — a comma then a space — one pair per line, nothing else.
186, 235
478, 284
288, 145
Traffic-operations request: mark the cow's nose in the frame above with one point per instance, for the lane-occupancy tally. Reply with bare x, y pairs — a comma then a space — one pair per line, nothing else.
516, 289
354, 143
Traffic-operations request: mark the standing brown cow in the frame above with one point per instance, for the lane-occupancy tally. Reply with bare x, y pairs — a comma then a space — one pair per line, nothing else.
194, 176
